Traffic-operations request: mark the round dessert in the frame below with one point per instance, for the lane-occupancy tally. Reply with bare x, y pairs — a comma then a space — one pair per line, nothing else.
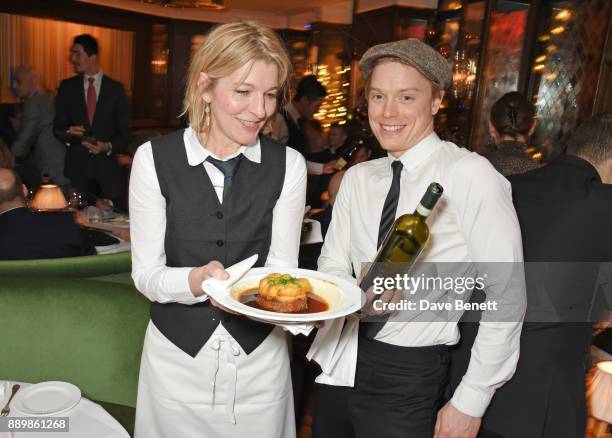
283, 293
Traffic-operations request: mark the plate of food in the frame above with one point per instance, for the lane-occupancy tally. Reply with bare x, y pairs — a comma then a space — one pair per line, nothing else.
286, 295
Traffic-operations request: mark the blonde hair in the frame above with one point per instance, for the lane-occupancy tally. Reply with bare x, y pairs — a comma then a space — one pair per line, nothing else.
227, 48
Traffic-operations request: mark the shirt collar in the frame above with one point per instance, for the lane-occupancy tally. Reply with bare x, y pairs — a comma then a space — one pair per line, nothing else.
197, 154
97, 77
293, 112
583, 165
417, 154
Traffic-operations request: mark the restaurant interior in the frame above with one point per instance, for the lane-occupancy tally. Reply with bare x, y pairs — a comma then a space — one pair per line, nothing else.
80, 319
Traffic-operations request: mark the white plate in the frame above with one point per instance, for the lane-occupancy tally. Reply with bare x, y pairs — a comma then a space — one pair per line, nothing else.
342, 296
47, 398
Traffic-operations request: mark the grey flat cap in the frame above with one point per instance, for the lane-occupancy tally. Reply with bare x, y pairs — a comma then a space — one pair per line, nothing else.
414, 52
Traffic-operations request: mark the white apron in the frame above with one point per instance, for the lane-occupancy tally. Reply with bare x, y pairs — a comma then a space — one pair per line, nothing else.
222, 392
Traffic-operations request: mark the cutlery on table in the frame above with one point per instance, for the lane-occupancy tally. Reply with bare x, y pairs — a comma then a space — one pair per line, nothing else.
6, 410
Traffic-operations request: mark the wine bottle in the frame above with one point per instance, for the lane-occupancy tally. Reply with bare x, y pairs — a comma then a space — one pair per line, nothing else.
345, 158
405, 239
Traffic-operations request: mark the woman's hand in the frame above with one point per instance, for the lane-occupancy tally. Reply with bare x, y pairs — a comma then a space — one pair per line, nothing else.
213, 269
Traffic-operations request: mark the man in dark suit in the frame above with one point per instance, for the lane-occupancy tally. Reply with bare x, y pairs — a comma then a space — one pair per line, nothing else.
564, 211
29, 235
309, 96
92, 118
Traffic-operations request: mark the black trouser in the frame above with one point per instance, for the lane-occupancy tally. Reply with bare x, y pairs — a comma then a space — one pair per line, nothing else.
101, 177
398, 392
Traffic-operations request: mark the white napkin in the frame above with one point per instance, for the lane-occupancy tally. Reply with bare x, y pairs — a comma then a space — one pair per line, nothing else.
298, 329
236, 272
335, 350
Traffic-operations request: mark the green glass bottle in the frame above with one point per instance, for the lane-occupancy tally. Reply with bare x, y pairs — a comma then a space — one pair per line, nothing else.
345, 158
405, 239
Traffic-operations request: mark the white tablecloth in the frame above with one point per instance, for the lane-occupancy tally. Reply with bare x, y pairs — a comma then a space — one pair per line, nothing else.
87, 420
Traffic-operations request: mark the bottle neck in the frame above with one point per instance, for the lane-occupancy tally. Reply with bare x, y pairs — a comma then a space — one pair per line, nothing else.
350, 151
422, 212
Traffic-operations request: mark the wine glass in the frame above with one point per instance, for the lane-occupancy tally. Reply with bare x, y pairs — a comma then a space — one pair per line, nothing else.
77, 200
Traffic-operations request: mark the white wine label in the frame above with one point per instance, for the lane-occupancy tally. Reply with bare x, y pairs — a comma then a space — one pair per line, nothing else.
422, 210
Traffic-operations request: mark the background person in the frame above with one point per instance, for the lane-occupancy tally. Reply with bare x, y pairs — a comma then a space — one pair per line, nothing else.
298, 114
511, 123
25, 234
35, 135
92, 118
546, 396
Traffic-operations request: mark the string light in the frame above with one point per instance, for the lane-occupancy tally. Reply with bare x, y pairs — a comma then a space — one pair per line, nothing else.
336, 82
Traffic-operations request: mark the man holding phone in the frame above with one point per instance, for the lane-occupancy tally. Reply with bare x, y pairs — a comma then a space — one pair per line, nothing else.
92, 119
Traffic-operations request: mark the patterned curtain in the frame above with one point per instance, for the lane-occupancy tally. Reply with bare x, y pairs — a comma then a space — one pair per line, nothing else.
44, 44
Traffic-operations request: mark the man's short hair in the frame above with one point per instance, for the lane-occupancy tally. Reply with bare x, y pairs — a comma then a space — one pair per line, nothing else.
13, 191
89, 43
311, 88
593, 139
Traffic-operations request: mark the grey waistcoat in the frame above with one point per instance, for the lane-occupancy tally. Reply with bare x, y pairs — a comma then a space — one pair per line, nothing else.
199, 229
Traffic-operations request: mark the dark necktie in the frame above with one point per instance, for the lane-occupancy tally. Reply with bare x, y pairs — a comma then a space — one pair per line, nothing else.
390, 208
229, 169
91, 100
371, 328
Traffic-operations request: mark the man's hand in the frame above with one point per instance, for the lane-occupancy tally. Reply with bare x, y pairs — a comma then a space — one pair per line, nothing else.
388, 296
329, 167
97, 147
452, 423
78, 131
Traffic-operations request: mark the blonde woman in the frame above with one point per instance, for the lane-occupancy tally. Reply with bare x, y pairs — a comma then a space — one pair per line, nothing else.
205, 198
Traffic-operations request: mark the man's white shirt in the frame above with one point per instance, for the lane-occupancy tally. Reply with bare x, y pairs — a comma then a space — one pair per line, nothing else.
474, 221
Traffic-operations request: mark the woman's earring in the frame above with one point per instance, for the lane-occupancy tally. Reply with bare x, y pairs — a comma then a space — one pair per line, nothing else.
207, 114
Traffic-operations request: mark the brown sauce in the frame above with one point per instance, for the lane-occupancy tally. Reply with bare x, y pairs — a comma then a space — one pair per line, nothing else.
315, 304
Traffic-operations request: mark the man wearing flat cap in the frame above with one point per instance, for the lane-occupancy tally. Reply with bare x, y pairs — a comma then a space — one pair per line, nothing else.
394, 385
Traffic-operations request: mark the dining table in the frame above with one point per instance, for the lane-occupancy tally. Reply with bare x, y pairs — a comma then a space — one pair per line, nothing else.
111, 222
83, 417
